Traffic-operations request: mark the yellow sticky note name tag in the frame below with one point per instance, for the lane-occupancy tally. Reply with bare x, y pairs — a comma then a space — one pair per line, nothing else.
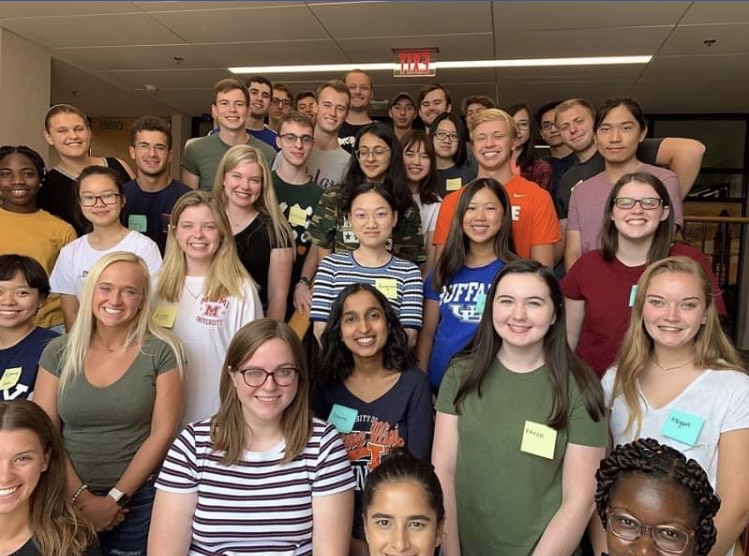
10, 378
387, 287
453, 184
297, 216
164, 315
538, 440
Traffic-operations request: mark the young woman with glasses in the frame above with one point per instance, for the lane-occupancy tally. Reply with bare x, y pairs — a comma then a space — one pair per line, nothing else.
653, 500
678, 379
525, 159
370, 389
376, 159
638, 229
450, 140
261, 476
100, 199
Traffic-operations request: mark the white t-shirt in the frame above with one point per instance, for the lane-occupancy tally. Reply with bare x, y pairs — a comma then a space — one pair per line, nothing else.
717, 399
428, 214
205, 329
77, 258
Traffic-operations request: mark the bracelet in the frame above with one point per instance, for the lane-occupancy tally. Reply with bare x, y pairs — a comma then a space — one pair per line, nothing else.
78, 493
304, 281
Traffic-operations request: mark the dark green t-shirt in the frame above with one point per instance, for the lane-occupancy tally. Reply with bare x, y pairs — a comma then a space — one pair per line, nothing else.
506, 497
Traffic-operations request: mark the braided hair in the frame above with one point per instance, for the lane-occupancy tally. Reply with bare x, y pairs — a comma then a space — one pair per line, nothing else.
35, 158
647, 456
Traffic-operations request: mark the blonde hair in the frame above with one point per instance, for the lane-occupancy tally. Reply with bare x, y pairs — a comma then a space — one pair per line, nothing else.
267, 204
712, 348
141, 327
228, 426
57, 527
226, 274
492, 115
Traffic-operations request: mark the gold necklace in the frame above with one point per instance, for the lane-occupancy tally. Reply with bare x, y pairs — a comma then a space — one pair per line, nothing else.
671, 368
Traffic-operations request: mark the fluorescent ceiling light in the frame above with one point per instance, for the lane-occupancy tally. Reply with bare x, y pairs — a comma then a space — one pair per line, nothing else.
390, 66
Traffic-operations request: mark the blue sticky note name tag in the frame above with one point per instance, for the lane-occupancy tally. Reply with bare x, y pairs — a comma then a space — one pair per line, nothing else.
342, 418
632, 295
480, 302
683, 427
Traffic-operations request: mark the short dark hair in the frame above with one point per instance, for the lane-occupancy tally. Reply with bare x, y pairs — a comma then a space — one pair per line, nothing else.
260, 79
426, 89
337, 85
647, 457
35, 158
296, 117
28, 267
306, 94
151, 123
544, 109
89, 171
230, 84
629, 103
281, 87
483, 100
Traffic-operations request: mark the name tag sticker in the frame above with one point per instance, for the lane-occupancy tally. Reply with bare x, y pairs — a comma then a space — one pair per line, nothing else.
538, 440
683, 427
342, 418
480, 302
137, 222
297, 216
632, 295
388, 287
164, 315
10, 378
453, 184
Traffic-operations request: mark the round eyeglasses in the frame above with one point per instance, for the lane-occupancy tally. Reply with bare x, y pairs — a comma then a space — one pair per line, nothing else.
666, 538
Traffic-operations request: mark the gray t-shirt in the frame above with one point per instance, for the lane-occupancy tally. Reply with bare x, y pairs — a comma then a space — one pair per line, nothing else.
103, 428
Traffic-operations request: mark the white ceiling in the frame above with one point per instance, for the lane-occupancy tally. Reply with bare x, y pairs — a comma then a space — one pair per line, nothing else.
108, 51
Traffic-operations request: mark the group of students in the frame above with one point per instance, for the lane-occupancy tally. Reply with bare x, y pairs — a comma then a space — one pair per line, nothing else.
403, 318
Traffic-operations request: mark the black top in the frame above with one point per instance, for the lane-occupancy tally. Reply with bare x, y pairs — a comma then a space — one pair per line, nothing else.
30, 549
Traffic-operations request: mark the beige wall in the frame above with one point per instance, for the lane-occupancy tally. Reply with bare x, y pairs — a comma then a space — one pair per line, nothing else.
25, 74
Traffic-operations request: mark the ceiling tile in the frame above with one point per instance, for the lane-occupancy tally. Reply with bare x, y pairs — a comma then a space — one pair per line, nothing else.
688, 39
36, 9
698, 69
169, 79
717, 12
171, 6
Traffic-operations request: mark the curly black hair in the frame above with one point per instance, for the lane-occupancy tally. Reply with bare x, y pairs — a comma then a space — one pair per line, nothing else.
647, 456
35, 158
337, 361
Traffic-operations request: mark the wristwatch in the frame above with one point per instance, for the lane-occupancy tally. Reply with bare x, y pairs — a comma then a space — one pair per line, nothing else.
120, 498
305, 281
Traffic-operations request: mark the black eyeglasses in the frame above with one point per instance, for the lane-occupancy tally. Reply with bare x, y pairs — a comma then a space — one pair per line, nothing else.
255, 378
666, 538
106, 199
280, 101
647, 203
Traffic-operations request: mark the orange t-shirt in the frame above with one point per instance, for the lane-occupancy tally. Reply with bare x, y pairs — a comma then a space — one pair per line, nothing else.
534, 220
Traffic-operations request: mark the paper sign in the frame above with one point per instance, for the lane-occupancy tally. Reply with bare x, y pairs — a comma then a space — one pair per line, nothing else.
10, 378
632, 295
683, 427
342, 418
137, 222
388, 287
453, 184
480, 302
297, 216
538, 440
164, 315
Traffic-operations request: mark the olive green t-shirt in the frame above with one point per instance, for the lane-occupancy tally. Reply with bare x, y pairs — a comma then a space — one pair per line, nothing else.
103, 427
506, 497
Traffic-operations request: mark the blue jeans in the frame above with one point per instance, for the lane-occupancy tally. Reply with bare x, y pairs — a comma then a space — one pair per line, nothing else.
130, 537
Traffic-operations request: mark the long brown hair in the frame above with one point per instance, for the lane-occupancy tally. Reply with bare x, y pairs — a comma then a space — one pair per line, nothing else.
228, 427
712, 348
56, 526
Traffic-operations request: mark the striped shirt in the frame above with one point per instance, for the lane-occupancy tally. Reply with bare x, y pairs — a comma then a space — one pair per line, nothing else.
398, 280
258, 505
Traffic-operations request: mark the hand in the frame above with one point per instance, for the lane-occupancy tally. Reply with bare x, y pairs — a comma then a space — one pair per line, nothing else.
302, 298
101, 511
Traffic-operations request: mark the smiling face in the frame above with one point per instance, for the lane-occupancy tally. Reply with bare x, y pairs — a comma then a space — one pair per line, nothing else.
230, 110
19, 183
576, 127
361, 90
69, 134
674, 309
263, 405
372, 219
619, 135
523, 126
523, 311
151, 152
103, 192
549, 130
652, 502
483, 217
417, 163
399, 521
332, 108
637, 223
198, 235
243, 185
22, 462
432, 105
364, 328
119, 295
295, 141
260, 97
445, 140
19, 303
492, 145
374, 157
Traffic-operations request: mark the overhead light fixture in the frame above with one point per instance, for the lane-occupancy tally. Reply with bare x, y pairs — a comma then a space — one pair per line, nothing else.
465, 64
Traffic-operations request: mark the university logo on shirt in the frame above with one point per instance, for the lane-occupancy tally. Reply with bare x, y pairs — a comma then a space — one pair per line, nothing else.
212, 312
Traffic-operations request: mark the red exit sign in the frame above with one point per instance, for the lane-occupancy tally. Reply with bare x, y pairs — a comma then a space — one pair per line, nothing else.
415, 63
